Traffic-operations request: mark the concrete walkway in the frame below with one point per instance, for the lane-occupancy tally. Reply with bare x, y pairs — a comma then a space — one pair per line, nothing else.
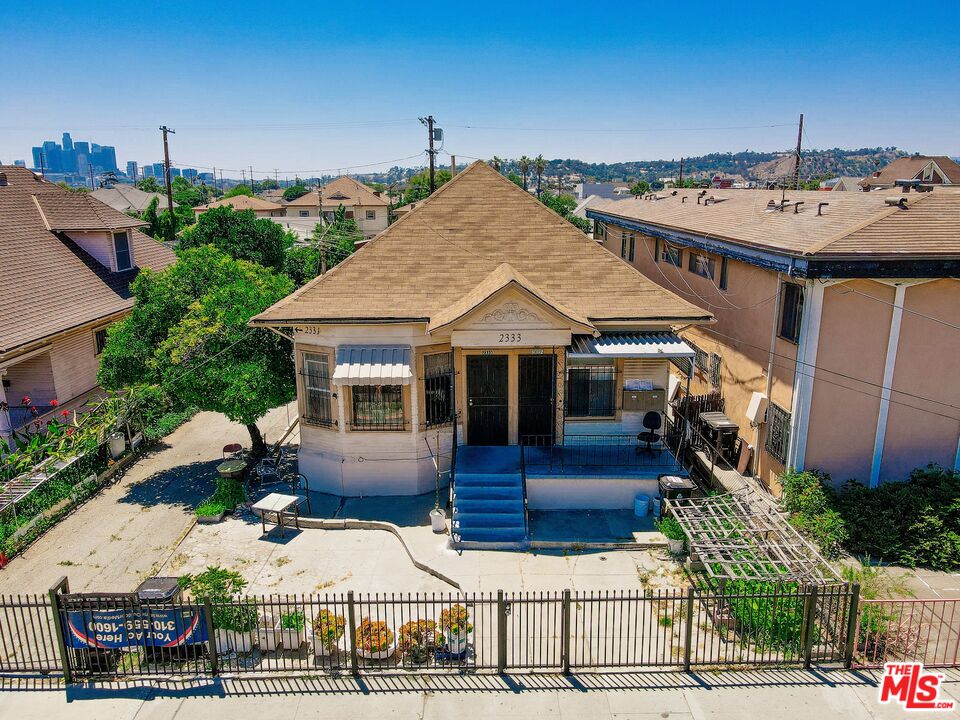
128, 531
719, 696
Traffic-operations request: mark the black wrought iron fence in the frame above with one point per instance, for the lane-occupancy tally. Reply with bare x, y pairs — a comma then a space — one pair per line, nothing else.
599, 451
115, 636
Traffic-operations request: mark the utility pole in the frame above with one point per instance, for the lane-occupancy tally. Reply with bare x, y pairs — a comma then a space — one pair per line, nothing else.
251, 177
166, 163
276, 176
221, 180
243, 176
43, 173
796, 168
92, 185
428, 121
680, 181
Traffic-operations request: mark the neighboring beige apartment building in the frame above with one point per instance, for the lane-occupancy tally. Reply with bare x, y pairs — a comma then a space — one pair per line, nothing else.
927, 169
66, 264
361, 203
839, 312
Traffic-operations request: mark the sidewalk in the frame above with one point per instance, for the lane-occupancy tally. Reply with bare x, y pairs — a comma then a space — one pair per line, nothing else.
732, 695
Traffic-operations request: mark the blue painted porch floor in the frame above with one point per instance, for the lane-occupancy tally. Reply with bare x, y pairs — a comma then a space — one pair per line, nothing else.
605, 461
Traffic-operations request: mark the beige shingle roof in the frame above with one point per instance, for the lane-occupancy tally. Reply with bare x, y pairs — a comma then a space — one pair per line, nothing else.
907, 168
435, 257
125, 198
79, 211
48, 284
927, 227
343, 191
241, 202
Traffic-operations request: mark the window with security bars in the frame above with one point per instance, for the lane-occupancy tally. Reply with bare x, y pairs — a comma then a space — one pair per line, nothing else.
318, 392
377, 407
714, 370
701, 359
591, 391
778, 432
438, 389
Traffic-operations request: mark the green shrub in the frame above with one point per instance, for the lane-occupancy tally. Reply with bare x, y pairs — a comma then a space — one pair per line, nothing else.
670, 528
294, 620
914, 523
769, 614
811, 504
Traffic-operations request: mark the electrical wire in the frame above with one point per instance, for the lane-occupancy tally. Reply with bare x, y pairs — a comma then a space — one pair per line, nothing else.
618, 130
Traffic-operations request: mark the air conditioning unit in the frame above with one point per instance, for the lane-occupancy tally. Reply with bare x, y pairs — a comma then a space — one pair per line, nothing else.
757, 409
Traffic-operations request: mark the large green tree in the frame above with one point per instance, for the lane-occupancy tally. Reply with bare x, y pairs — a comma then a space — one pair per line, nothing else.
295, 191
331, 243
240, 234
188, 333
149, 184
418, 186
564, 205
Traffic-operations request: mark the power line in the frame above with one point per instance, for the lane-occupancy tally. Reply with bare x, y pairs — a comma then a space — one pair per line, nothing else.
619, 130
302, 171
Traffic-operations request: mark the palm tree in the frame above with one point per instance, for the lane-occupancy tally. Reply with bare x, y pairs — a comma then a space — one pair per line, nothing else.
497, 162
539, 165
524, 164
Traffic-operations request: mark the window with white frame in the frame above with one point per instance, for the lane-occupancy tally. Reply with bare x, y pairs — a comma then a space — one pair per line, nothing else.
122, 251
304, 213
371, 214
317, 388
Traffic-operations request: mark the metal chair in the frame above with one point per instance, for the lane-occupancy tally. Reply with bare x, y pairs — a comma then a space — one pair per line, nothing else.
233, 450
298, 481
652, 422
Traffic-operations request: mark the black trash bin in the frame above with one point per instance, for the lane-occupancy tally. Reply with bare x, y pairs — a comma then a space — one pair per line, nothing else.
673, 487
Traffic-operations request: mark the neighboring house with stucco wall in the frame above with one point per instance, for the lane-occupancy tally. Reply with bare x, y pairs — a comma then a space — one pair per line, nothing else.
360, 202
66, 264
261, 208
839, 313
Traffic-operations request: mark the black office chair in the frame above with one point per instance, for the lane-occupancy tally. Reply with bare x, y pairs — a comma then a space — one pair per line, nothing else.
652, 422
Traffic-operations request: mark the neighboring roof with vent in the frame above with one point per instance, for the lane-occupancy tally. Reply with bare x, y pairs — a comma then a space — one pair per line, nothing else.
343, 191
127, 198
242, 202
429, 263
910, 168
853, 223
49, 284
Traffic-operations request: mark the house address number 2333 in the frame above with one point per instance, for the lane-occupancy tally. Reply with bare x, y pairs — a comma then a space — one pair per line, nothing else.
510, 337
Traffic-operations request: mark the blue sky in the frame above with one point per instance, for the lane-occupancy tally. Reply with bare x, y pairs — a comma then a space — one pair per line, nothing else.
315, 86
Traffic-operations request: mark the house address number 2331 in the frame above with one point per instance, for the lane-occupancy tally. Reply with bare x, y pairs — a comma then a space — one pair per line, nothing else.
510, 337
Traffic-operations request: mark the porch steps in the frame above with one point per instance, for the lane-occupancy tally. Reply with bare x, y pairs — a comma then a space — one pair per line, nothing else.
489, 508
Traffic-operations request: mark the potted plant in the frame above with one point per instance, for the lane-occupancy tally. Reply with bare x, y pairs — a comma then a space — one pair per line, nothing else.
374, 640
234, 620
673, 531
417, 639
268, 638
455, 622
327, 630
292, 628
239, 621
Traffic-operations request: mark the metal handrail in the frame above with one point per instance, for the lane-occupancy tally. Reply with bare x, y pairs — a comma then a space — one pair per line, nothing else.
523, 484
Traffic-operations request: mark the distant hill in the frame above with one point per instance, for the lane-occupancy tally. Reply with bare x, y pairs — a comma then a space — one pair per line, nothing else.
745, 165
748, 165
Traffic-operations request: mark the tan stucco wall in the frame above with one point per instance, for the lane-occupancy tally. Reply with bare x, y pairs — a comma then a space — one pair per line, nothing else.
854, 331
928, 365
745, 313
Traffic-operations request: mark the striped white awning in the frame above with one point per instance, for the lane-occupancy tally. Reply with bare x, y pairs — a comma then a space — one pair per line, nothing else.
373, 365
630, 345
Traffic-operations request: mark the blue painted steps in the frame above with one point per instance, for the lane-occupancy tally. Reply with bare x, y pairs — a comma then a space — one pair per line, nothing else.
488, 496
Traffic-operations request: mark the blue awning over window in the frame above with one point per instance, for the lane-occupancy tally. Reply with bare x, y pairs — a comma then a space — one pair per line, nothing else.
373, 365
630, 345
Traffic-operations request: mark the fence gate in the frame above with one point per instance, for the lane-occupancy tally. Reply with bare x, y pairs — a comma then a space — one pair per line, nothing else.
28, 637
532, 630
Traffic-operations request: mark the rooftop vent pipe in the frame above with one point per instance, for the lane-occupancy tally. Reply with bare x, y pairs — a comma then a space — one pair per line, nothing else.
820, 207
796, 207
896, 201
683, 199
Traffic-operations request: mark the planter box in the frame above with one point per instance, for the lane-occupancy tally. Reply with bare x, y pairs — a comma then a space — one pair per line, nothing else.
292, 638
456, 644
268, 638
377, 654
321, 650
210, 519
231, 641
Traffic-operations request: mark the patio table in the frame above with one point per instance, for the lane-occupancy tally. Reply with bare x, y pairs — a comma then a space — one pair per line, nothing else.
232, 468
277, 504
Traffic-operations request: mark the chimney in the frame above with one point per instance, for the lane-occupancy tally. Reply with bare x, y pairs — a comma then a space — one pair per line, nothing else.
453, 165
3, 179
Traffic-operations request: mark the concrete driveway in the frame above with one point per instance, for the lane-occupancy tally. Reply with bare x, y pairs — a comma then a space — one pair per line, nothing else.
128, 531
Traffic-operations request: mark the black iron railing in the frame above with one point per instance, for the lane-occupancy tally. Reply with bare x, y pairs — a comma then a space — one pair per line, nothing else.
601, 451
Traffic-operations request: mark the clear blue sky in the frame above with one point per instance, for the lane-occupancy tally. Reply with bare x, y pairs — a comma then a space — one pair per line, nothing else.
310, 86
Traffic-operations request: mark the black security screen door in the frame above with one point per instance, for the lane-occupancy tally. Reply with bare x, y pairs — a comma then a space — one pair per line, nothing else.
487, 399
536, 421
